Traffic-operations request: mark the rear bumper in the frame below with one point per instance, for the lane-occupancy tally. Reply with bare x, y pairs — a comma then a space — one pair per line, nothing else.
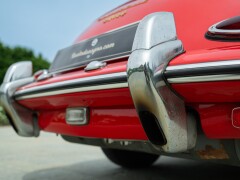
161, 112
117, 99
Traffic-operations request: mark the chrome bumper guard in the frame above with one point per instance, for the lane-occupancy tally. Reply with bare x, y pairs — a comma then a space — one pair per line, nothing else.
23, 120
155, 44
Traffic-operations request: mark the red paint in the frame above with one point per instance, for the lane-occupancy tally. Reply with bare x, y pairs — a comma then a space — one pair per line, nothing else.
210, 55
214, 101
236, 117
209, 92
216, 120
193, 18
100, 98
112, 114
108, 122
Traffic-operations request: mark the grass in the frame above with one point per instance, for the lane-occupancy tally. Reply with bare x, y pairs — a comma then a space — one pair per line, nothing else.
3, 117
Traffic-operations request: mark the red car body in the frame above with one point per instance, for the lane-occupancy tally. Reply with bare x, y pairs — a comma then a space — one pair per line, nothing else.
204, 77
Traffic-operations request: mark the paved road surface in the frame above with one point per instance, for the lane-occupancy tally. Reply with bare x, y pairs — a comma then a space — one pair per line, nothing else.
51, 158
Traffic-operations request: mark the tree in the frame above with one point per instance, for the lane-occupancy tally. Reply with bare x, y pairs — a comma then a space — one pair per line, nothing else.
10, 55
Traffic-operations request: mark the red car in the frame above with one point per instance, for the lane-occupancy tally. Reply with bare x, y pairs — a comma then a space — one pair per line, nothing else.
148, 78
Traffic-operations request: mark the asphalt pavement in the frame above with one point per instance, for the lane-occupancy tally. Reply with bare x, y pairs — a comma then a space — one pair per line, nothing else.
51, 158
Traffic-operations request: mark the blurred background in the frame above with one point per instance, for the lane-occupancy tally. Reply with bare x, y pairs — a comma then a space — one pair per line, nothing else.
36, 30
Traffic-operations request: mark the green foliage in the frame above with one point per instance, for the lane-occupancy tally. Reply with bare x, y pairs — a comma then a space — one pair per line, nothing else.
3, 117
10, 55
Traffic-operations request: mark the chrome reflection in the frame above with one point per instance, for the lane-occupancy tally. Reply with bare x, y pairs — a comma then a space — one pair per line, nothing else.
19, 74
155, 44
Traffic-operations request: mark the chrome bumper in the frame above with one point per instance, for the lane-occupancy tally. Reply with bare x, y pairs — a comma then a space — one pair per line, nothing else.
161, 111
23, 120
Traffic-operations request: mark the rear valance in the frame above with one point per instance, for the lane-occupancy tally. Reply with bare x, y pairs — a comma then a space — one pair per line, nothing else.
109, 46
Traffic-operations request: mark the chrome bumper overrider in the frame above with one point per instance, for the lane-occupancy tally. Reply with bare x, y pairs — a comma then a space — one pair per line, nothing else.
155, 44
23, 120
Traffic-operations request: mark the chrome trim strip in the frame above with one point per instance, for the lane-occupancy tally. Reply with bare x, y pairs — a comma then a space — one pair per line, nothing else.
53, 88
214, 30
155, 44
200, 77
209, 78
74, 90
206, 64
